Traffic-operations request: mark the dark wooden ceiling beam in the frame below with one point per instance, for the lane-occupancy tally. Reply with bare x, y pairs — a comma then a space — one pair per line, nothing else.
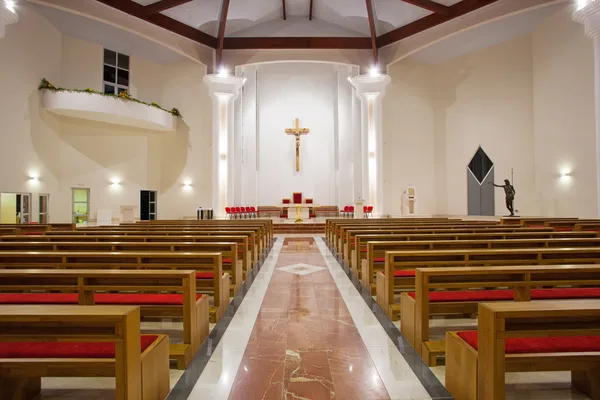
132, 8
221, 36
430, 21
430, 6
371, 16
284, 14
310, 10
163, 5
242, 43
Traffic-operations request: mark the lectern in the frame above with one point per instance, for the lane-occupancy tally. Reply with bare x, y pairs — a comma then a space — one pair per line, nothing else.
359, 209
128, 213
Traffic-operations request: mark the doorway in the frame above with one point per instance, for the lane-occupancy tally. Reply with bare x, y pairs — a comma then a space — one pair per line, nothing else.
480, 192
15, 208
43, 205
81, 205
148, 209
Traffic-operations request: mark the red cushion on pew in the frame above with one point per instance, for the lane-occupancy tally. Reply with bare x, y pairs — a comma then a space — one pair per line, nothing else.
226, 260
205, 275
468, 295
496, 295
39, 298
379, 260
65, 349
563, 344
566, 293
403, 273
140, 299
563, 229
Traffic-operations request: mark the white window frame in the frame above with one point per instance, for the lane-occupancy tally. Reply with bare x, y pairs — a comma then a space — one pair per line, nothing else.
115, 84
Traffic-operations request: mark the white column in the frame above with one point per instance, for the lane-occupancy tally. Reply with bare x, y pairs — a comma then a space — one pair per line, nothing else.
588, 14
224, 90
371, 89
8, 15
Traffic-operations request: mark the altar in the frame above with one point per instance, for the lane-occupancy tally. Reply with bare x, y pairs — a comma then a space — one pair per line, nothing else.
298, 209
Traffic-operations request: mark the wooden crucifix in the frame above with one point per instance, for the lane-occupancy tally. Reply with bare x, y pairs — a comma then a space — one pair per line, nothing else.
297, 131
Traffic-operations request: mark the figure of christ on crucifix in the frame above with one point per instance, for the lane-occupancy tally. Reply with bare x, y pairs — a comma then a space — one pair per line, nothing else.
297, 131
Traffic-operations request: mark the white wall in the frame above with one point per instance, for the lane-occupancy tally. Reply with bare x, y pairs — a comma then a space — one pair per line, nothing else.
563, 63
66, 152
288, 91
408, 139
436, 116
529, 102
320, 95
486, 98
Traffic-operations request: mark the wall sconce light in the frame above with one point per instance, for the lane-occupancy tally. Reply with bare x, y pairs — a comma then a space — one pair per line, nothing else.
115, 181
34, 178
223, 156
565, 174
187, 185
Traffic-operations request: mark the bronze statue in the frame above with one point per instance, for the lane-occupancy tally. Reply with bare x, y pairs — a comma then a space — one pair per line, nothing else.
509, 192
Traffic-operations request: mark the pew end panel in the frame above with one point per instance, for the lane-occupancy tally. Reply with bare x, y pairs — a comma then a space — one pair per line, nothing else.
461, 368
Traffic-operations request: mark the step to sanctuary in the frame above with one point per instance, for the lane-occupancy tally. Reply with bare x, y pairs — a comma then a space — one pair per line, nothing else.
289, 228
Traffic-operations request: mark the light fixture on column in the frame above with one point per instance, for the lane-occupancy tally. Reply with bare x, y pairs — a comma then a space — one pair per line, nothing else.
8, 15
223, 71
34, 178
374, 71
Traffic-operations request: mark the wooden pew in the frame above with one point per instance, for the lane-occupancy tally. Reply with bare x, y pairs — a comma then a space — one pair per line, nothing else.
36, 228
346, 231
339, 234
248, 256
253, 242
587, 226
477, 371
400, 265
530, 220
261, 233
145, 289
140, 363
375, 260
361, 241
331, 224
445, 291
228, 252
9, 231
210, 276
266, 222
348, 245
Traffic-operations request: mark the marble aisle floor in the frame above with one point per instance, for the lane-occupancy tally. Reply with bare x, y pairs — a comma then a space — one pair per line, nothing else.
305, 342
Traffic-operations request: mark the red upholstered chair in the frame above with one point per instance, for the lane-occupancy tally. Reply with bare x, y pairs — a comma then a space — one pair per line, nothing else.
254, 211
238, 211
228, 211
297, 197
370, 211
249, 212
284, 211
351, 211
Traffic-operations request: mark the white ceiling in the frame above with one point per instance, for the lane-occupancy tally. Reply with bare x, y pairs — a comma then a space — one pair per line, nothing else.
106, 35
486, 35
264, 18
